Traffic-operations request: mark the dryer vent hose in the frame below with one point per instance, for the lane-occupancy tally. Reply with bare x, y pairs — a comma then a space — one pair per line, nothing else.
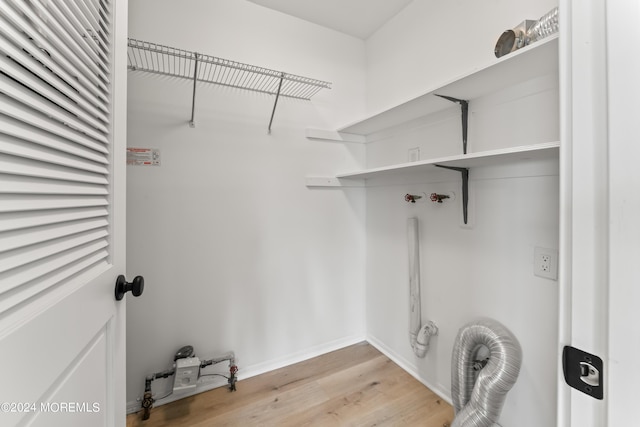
480, 382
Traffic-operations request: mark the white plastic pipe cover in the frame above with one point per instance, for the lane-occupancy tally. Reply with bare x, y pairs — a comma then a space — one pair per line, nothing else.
419, 336
478, 393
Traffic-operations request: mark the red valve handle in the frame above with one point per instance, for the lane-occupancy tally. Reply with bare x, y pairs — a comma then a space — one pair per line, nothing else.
438, 198
411, 198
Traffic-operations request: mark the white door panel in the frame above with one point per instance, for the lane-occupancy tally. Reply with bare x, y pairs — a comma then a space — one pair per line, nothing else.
62, 211
53, 357
63, 407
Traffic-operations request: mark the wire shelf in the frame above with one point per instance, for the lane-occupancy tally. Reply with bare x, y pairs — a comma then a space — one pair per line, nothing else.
159, 59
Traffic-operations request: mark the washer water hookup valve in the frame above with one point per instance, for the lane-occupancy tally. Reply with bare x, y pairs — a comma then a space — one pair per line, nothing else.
438, 198
411, 198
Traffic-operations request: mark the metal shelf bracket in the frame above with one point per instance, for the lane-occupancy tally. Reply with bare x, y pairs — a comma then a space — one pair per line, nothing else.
465, 188
193, 100
464, 106
275, 103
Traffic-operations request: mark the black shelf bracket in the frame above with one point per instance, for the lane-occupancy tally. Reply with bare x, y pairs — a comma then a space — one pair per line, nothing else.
464, 105
465, 187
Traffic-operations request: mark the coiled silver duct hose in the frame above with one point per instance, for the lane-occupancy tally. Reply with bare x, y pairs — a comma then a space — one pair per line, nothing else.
479, 387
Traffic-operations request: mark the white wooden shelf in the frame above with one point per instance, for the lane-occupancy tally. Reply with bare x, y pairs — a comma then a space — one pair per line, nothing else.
544, 151
460, 163
486, 158
538, 59
532, 62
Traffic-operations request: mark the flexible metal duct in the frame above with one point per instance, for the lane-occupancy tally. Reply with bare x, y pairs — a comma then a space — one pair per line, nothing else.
527, 32
544, 27
419, 336
479, 383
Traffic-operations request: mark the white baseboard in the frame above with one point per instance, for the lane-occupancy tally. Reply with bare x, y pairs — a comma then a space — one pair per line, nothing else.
300, 356
409, 368
258, 369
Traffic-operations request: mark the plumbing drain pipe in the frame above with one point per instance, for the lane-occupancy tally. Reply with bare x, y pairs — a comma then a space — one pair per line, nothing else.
419, 335
479, 387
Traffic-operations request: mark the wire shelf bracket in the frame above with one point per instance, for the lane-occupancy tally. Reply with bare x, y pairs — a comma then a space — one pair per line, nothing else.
159, 59
192, 122
275, 103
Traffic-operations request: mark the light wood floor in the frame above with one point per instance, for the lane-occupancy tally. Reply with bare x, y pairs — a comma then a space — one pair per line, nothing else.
354, 386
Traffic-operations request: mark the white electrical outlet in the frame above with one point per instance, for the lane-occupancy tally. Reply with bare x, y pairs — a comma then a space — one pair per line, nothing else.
545, 263
414, 154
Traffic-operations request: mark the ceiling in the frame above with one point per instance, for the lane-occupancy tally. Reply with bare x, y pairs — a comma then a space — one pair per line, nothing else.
359, 18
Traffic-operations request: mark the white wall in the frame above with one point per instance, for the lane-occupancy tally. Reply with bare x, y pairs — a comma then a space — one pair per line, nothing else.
485, 270
236, 252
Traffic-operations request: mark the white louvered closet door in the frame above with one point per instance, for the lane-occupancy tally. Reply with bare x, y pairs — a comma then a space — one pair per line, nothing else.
62, 140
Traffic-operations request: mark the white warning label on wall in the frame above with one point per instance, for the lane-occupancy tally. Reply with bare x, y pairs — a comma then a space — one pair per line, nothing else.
143, 156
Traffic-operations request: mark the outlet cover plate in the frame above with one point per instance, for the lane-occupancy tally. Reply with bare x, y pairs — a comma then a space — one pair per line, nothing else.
545, 263
414, 154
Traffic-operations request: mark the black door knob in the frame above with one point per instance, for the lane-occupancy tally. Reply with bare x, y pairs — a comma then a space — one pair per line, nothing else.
122, 286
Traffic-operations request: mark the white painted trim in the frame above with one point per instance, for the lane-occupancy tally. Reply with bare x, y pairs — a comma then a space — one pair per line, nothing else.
584, 201
332, 135
118, 202
624, 229
329, 181
563, 412
407, 367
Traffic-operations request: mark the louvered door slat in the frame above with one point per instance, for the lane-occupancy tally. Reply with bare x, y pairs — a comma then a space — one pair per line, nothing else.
75, 13
91, 7
21, 148
81, 8
21, 238
56, 34
41, 104
15, 71
63, 35
31, 254
16, 45
30, 168
14, 128
37, 270
55, 123
100, 8
80, 35
19, 111
20, 220
35, 202
13, 184
59, 53
96, 261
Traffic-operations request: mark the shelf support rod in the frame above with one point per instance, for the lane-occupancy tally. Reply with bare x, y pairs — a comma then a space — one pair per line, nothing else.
464, 105
276, 101
465, 188
193, 100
